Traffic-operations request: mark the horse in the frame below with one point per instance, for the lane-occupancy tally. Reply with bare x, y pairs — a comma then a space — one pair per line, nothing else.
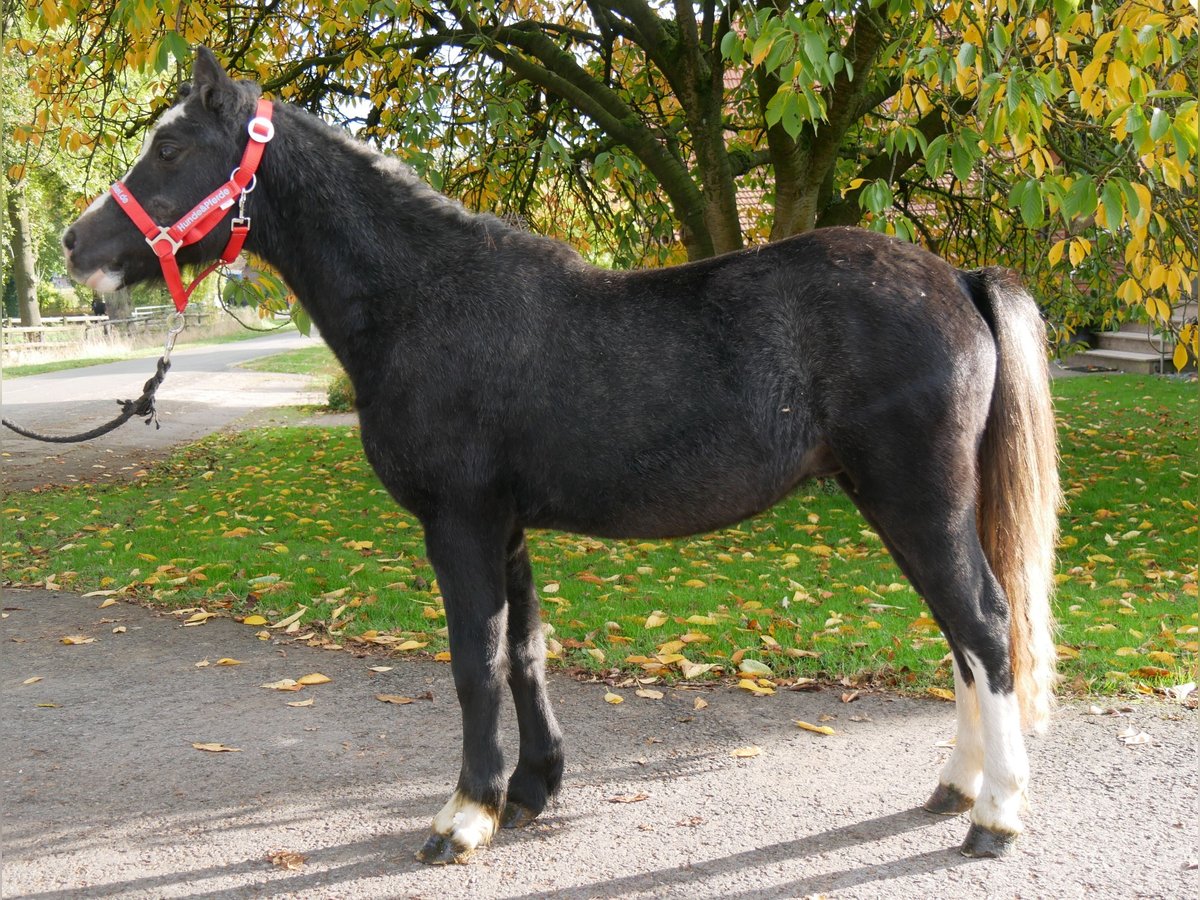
503, 383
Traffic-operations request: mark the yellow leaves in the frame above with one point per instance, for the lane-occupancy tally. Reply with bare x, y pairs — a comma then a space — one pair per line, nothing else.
76, 639
394, 698
691, 670
254, 620
284, 684
239, 532
200, 618
756, 687
301, 704
614, 699
815, 729
34, 680
313, 678
656, 619
228, 661
216, 748
293, 619
940, 693
649, 693
411, 645
746, 752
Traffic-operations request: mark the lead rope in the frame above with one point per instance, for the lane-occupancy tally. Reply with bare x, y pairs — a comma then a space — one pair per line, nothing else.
142, 406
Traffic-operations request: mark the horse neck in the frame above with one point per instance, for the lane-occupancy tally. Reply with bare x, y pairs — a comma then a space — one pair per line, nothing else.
355, 234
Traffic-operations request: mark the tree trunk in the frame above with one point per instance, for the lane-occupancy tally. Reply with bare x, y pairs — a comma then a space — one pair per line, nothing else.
23, 260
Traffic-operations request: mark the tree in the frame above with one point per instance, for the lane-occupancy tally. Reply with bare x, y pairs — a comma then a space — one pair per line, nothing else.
1052, 136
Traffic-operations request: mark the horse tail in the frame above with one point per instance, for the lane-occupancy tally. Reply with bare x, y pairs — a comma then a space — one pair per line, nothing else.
1019, 491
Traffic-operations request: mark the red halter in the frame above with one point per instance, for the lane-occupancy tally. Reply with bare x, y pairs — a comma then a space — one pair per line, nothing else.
166, 242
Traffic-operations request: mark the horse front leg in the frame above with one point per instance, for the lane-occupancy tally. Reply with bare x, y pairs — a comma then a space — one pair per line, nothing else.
468, 558
539, 768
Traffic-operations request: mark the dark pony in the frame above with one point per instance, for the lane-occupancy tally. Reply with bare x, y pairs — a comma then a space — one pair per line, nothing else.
503, 384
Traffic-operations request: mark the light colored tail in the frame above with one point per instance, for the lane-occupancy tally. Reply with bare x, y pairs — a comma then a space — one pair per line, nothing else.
1019, 491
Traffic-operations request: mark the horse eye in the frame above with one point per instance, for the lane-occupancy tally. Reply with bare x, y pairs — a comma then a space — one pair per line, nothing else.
168, 152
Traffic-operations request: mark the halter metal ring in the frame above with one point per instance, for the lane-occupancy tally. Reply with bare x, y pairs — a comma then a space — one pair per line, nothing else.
253, 183
177, 321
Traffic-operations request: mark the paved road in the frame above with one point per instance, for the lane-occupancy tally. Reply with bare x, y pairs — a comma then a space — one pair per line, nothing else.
203, 392
104, 795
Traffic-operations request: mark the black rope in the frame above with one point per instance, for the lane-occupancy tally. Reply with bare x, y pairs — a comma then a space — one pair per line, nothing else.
142, 406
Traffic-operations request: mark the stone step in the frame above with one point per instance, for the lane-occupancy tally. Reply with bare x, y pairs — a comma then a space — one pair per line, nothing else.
1139, 341
1121, 360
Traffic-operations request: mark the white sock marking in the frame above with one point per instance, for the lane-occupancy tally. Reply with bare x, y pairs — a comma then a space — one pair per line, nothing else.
465, 822
1005, 765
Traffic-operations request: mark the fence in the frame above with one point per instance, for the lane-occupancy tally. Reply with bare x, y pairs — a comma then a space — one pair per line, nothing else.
64, 336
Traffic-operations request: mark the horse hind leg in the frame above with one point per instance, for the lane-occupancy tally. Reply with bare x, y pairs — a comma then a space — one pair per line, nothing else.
929, 524
960, 778
540, 764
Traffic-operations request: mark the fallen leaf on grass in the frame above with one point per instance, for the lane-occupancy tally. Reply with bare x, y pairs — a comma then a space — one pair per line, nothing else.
816, 729
754, 668
294, 617
629, 798
216, 748
286, 859
301, 703
656, 619
72, 639
412, 645
745, 752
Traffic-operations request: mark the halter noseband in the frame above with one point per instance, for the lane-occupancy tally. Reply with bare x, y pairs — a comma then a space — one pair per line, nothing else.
168, 241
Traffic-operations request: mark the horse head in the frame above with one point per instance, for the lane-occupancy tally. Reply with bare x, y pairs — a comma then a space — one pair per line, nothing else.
191, 150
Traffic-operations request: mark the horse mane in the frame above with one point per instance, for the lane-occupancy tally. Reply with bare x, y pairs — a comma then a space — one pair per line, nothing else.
339, 166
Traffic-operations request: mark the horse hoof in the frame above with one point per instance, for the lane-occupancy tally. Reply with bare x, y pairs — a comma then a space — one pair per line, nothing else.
516, 815
984, 843
948, 800
440, 850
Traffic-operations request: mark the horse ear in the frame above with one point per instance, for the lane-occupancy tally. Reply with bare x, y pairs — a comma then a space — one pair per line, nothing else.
216, 89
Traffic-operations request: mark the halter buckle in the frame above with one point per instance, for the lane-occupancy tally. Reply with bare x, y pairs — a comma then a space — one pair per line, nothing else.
164, 234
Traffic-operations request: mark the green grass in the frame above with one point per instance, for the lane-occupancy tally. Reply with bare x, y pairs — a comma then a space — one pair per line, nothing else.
263, 522
59, 365
317, 361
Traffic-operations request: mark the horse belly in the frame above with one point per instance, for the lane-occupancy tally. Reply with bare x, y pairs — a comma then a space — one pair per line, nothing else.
658, 495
